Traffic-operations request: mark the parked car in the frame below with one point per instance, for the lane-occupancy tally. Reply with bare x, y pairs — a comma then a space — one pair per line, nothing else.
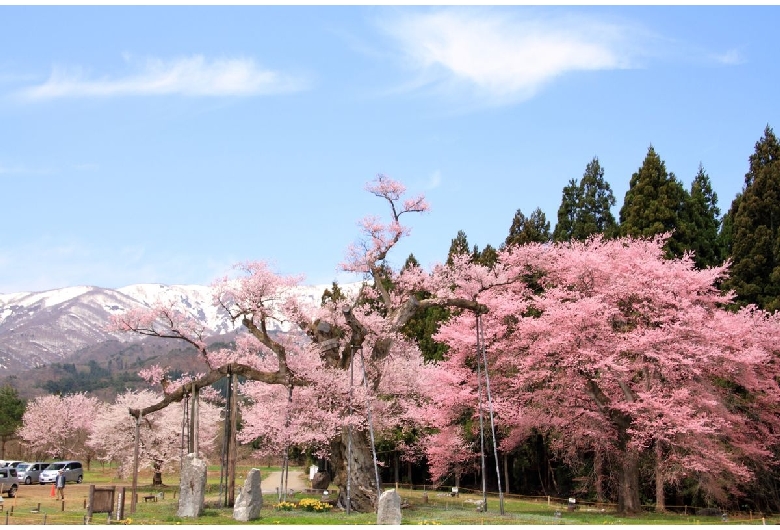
28, 472
9, 482
74, 472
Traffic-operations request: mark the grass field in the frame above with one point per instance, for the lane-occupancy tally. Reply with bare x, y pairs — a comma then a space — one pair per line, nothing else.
34, 505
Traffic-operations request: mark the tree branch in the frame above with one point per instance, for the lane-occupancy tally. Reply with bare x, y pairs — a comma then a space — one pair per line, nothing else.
278, 378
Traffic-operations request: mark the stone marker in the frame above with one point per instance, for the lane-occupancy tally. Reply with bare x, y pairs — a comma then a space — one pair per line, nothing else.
250, 498
192, 487
389, 509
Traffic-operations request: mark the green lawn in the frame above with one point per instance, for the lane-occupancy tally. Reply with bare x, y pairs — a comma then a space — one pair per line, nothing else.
422, 508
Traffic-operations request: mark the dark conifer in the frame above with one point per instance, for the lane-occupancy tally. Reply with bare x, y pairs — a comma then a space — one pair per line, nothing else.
755, 242
535, 228
656, 203
703, 214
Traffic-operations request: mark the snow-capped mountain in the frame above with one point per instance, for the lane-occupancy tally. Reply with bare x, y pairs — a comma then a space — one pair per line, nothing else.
50, 326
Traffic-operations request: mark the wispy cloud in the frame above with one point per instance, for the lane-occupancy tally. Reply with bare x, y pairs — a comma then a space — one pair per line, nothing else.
434, 181
503, 56
731, 57
188, 76
22, 170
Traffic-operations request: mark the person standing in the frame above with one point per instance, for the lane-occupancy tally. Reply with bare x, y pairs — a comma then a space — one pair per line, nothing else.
60, 482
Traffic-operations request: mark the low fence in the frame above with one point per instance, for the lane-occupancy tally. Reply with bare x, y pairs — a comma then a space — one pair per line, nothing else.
446, 497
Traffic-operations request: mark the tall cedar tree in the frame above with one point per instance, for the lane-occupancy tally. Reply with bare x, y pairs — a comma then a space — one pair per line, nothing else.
703, 214
726, 235
656, 203
755, 245
425, 324
532, 229
459, 246
567, 212
11, 412
585, 207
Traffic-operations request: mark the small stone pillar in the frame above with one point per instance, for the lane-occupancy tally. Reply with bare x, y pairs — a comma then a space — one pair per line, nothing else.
192, 487
250, 498
389, 508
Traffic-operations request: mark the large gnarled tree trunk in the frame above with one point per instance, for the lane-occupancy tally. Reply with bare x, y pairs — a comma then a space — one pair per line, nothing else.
362, 484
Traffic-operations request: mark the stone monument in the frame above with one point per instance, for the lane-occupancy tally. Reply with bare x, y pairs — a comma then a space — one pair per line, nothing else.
389, 509
250, 498
192, 487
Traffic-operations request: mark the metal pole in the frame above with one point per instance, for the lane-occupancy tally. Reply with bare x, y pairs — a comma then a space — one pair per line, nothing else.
481, 346
371, 428
481, 430
135, 461
349, 437
223, 463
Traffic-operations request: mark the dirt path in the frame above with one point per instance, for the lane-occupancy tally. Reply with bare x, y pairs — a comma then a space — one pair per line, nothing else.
296, 481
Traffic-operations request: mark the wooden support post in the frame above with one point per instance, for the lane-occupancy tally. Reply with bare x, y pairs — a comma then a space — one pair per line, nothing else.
91, 496
134, 500
232, 449
193, 441
121, 508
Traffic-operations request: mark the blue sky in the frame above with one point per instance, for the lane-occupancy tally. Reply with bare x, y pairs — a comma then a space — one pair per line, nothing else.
164, 144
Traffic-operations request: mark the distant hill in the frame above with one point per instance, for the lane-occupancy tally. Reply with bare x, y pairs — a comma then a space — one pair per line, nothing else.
58, 341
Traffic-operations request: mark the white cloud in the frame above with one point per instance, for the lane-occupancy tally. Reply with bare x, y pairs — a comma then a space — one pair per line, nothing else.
731, 57
189, 76
23, 170
503, 56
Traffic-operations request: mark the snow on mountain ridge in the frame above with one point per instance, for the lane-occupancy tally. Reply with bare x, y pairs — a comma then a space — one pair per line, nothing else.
40, 328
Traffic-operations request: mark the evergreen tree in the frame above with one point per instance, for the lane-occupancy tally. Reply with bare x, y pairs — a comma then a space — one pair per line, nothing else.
596, 198
726, 235
567, 212
487, 257
458, 247
535, 228
655, 203
703, 213
410, 262
12, 409
755, 273
425, 323
586, 207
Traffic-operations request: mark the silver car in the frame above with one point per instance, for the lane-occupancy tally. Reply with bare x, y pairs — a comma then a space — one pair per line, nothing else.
9, 483
28, 472
74, 472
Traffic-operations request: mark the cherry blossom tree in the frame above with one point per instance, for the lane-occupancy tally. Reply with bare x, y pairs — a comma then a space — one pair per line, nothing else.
58, 426
622, 353
348, 361
160, 433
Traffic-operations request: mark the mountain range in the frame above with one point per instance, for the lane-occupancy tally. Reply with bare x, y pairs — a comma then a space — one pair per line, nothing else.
41, 328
